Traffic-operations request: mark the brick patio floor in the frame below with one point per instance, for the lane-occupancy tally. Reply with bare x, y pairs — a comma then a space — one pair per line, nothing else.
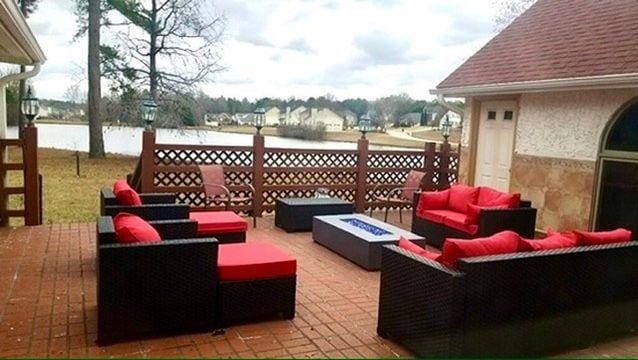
48, 305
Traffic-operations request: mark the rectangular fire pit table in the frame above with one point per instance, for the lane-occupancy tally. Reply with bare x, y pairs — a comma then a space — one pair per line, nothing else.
358, 238
295, 214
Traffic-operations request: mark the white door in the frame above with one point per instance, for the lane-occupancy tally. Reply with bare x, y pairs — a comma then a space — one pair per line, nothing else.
495, 144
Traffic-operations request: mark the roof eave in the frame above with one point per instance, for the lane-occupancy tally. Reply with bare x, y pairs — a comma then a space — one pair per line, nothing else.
17, 26
569, 84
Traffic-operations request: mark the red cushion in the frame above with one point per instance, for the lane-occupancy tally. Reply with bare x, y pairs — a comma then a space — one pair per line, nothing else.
437, 216
499, 243
125, 195
458, 221
584, 238
218, 222
410, 246
492, 197
432, 200
254, 260
555, 241
473, 212
131, 228
568, 234
460, 196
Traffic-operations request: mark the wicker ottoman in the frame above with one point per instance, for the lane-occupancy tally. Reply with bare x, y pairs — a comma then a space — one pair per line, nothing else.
226, 226
257, 281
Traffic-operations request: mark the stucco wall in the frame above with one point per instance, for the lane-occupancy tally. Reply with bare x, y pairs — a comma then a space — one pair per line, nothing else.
566, 125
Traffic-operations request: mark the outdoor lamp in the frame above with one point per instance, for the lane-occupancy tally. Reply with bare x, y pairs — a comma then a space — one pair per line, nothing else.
149, 110
30, 106
445, 128
259, 118
364, 125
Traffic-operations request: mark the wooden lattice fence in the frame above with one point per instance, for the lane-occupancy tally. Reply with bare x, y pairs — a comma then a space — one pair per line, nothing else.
354, 175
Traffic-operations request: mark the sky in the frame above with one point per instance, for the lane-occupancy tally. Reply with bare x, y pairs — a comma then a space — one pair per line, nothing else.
304, 48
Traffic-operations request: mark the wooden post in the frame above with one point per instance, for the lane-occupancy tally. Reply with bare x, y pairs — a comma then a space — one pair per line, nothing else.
147, 161
444, 165
31, 180
258, 172
362, 175
430, 153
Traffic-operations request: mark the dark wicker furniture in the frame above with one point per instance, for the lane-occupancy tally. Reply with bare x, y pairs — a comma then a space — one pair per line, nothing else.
295, 214
522, 304
521, 220
356, 244
146, 289
155, 206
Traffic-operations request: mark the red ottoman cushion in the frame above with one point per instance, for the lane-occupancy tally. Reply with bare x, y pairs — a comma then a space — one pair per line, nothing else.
255, 260
218, 222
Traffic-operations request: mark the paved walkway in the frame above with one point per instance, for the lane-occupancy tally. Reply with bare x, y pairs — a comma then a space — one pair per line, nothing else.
48, 305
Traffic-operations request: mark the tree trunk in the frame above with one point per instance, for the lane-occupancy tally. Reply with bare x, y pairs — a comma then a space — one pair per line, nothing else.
96, 142
153, 53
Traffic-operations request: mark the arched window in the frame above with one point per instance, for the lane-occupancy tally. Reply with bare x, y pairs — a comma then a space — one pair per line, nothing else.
623, 135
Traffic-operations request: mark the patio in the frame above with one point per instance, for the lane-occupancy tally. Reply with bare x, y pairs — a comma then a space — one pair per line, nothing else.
47, 283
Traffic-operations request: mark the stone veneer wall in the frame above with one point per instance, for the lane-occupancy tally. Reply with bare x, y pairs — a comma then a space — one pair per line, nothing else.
557, 141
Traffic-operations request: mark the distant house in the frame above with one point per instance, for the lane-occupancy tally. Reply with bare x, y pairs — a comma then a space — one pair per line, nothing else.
410, 119
61, 110
551, 111
349, 117
215, 120
272, 116
314, 116
243, 119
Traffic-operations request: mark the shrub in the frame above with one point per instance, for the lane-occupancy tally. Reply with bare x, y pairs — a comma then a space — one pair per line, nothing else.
304, 132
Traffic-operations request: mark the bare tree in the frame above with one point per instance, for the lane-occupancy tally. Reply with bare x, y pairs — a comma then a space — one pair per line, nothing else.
96, 141
170, 46
508, 10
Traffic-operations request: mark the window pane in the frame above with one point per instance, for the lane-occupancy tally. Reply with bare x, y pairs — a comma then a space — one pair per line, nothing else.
491, 115
509, 115
618, 202
624, 135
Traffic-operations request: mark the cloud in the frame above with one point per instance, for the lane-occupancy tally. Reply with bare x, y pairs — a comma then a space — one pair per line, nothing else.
299, 44
381, 48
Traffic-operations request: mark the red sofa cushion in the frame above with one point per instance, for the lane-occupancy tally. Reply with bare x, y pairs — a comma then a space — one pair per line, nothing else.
218, 222
410, 246
460, 196
555, 241
473, 212
254, 260
568, 234
584, 238
457, 221
499, 243
125, 195
492, 197
437, 216
432, 200
131, 228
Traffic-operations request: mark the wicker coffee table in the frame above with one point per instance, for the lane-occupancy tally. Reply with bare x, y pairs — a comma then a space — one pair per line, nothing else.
295, 214
358, 238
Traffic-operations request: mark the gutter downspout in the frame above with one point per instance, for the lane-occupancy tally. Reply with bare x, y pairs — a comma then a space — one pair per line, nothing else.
3, 100
453, 108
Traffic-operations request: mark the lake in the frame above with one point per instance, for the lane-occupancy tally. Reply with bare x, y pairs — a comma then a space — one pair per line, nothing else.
128, 140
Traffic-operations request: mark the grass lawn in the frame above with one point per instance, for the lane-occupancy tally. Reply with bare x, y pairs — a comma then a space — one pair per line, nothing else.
455, 135
67, 197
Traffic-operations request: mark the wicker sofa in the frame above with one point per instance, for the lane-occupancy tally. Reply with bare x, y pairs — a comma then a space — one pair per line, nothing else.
521, 219
156, 206
519, 304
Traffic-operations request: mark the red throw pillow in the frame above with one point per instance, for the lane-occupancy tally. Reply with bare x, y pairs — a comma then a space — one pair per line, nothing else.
131, 228
433, 200
473, 211
499, 243
125, 194
410, 246
555, 241
585, 238
460, 196
492, 197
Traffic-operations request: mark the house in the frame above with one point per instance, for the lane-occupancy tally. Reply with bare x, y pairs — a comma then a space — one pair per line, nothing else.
243, 119
349, 117
17, 46
316, 116
410, 119
552, 112
272, 116
215, 120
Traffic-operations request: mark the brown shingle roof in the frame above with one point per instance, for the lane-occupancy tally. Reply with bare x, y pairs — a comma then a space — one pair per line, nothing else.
557, 39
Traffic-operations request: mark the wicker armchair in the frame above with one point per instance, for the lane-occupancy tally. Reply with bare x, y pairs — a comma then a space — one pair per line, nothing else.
146, 289
214, 183
400, 196
155, 206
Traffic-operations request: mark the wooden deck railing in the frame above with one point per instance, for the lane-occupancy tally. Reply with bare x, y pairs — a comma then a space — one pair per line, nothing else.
276, 173
31, 188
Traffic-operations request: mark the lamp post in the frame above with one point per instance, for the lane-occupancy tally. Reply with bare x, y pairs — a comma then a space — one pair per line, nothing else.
30, 106
149, 111
364, 125
259, 118
446, 128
